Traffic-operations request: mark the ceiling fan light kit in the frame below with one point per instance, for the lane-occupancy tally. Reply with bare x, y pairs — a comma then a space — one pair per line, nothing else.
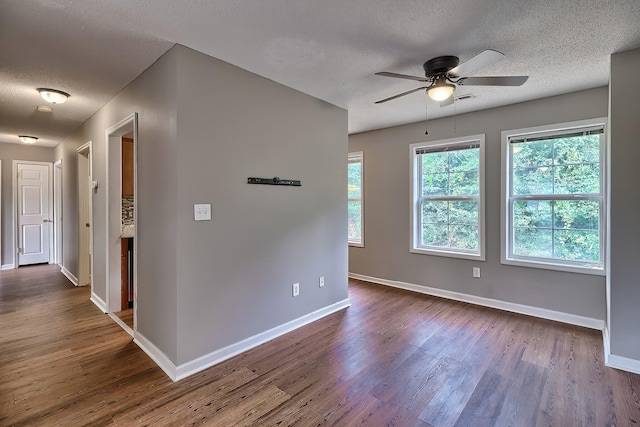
53, 96
440, 90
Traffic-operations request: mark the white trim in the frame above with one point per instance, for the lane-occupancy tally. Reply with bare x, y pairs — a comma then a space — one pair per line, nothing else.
57, 212
73, 279
120, 323
87, 147
414, 188
505, 215
156, 355
114, 201
542, 313
184, 370
98, 301
614, 361
7, 266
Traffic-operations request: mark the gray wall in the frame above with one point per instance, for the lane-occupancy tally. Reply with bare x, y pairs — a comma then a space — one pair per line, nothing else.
623, 282
9, 153
204, 126
235, 272
387, 203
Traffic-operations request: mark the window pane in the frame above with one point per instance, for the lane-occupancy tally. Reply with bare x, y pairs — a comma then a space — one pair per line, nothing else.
464, 183
434, 162
354, 225
436, 184
435, 235
436, 212
464, 160
579, 149
355, 177
533, 242
463, 213
581, 245
464, 237
533, 181
576, 214
532, 214
532, 154
582, 178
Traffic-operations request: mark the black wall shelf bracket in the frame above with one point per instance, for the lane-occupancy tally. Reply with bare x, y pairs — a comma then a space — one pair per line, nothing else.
274, 181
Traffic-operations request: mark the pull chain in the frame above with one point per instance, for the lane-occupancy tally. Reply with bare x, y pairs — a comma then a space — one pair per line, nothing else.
426, 117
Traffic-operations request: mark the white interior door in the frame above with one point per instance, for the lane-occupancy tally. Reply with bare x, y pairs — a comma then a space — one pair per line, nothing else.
33, 213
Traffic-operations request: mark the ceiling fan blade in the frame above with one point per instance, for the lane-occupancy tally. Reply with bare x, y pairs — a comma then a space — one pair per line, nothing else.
399, 95
482, 59
493, 81
447, 101
401, 76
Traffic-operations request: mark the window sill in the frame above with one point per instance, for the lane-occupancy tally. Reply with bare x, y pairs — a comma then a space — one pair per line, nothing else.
594, 271
356, 245
448, 254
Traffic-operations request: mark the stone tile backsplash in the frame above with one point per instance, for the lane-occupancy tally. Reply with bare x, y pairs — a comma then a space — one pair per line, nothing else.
127, 210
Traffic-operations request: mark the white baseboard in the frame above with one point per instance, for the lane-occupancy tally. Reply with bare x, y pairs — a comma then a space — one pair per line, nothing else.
225, 353
8, 266
614, 361
184, 370
156, 355
73, 279
543, 313
98, 302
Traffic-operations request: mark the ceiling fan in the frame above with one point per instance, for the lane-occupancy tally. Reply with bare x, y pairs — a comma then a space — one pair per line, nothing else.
443, 73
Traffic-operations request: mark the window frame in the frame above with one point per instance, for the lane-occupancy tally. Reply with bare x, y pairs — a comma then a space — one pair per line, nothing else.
507, 199
416, 199
357, 157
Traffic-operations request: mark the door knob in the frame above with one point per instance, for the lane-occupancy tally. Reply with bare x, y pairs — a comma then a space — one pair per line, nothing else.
45, 220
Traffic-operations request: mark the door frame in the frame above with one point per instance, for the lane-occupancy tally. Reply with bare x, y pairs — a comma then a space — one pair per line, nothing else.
113, 137
57, 212
86, 151
16, 262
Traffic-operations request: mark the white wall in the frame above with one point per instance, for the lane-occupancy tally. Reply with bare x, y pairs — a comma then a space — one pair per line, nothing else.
387, 173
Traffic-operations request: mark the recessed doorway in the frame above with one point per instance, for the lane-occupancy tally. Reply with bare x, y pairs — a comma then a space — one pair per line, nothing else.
121, 222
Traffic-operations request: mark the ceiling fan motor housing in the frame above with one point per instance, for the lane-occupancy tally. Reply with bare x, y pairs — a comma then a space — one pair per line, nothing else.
440, 65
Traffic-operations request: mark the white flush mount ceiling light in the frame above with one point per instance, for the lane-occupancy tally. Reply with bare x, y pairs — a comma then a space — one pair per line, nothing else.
440, 90
53, 96
28, 139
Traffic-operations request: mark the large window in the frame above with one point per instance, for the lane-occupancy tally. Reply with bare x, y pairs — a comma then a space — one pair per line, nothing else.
554, 197
356, 196
447, 186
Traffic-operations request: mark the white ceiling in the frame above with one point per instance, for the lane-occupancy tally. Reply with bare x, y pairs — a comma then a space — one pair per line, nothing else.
328, 49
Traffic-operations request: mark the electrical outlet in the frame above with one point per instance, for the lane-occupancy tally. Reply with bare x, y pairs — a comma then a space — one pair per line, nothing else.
296, 289
476, 272
321, 281
202, 212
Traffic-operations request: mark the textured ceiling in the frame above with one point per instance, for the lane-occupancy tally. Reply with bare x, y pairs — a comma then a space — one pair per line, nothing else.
328, 49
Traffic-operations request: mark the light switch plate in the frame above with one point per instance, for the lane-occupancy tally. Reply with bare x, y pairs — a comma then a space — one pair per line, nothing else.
202, 211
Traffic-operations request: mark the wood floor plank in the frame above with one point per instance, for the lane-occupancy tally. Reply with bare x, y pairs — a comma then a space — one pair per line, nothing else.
394, 358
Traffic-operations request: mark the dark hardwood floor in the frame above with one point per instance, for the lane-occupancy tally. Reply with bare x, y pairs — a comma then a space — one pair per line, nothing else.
394, 358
